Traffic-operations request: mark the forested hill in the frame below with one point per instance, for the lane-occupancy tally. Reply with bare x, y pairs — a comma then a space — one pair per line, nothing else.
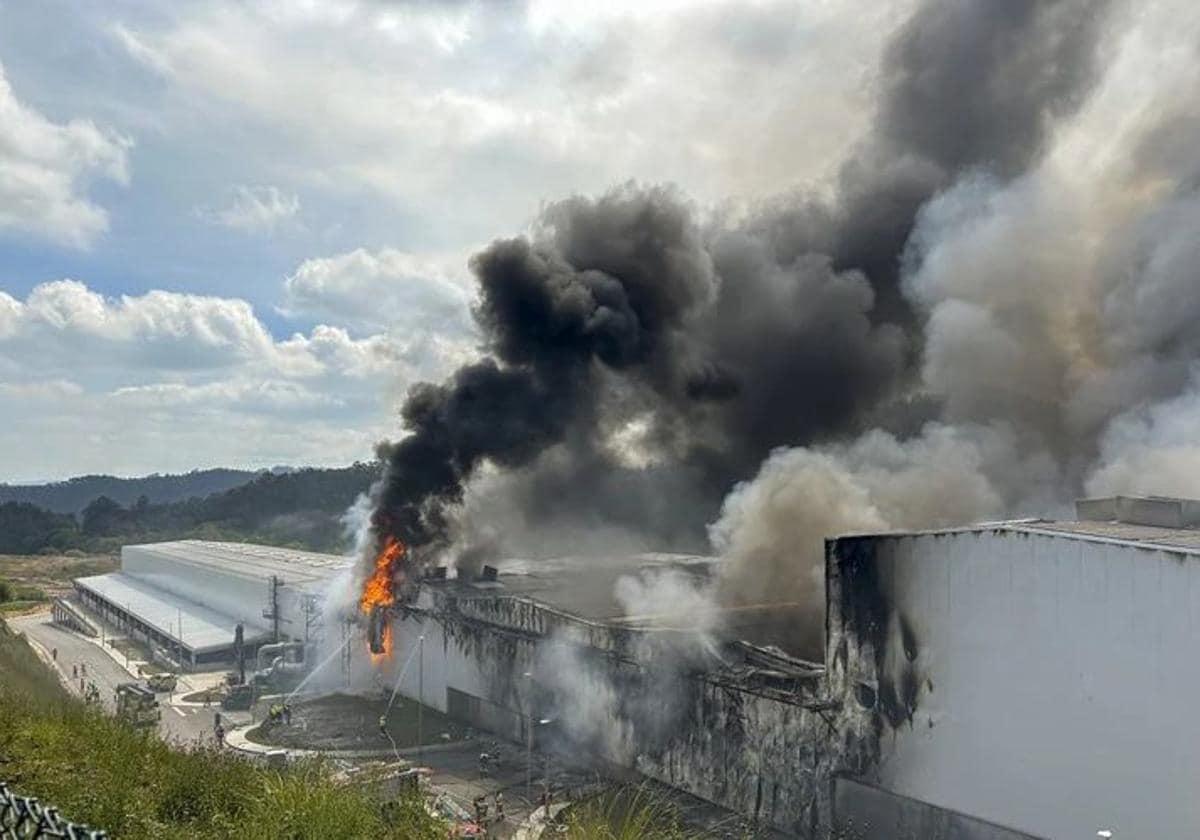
301, 508
73, 495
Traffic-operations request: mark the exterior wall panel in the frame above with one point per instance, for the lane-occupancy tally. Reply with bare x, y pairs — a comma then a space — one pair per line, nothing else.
1027, 679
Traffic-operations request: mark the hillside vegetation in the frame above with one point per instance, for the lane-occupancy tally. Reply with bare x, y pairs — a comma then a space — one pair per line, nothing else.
73, 495
97, 771
301, 508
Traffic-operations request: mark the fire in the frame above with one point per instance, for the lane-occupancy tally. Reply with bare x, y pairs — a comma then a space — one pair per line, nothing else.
379, 590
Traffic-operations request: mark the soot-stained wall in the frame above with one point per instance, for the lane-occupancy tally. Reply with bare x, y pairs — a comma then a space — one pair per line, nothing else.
1026, 678
756, 750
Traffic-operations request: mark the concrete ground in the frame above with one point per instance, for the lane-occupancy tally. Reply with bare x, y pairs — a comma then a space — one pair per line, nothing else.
456, 773
343, 722
181, 722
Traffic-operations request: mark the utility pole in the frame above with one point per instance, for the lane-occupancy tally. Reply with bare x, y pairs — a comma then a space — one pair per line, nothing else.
275, 607
239, 651
420, 697
528, 735
179, 627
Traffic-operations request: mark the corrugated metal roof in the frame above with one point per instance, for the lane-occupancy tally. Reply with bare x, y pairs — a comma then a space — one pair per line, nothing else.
1183, 540
203, 628
259, 562
1186, 540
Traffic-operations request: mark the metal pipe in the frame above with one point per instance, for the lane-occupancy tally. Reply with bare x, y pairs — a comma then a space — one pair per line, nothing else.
281, 648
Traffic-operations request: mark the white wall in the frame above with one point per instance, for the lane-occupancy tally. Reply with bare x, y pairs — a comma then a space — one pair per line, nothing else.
1060, 682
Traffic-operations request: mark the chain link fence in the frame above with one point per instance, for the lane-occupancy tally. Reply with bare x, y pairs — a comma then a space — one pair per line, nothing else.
24, 818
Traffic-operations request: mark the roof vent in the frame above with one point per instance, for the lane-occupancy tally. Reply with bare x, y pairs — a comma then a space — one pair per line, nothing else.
1157, 511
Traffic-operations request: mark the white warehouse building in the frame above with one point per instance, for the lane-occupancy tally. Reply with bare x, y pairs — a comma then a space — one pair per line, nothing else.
1034, 674
188, 597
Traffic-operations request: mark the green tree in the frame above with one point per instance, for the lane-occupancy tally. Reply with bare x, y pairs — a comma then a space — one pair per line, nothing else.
102, 517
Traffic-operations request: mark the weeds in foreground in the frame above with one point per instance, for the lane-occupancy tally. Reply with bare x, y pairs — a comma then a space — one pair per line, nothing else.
629, 813
98, 771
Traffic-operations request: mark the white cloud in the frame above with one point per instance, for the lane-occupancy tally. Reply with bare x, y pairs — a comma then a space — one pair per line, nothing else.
255, 209
167, 380
64, 323
47, 390
474, 113
387, 289
45, 168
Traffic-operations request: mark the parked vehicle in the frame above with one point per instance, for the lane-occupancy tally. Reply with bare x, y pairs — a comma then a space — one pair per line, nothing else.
238, 697
162, 682
137, 705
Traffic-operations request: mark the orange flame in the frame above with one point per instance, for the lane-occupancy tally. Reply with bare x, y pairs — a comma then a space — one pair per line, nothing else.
379, 590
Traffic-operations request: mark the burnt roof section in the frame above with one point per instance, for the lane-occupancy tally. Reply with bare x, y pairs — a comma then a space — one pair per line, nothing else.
581, 586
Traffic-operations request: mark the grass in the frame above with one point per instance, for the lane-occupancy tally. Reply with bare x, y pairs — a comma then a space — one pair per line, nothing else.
21, 607
97, 771
626, 813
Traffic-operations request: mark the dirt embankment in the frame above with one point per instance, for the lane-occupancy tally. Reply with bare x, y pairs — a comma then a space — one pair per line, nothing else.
31, 581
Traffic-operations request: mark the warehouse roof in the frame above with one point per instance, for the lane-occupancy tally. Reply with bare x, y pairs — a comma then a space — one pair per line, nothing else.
203, 628
1153, 522
259, 562
1184, 540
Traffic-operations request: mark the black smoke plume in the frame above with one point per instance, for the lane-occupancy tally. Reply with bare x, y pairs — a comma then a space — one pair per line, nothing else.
720, 341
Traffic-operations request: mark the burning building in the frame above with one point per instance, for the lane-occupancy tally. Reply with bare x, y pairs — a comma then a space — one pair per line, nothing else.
981, 313
1011, 680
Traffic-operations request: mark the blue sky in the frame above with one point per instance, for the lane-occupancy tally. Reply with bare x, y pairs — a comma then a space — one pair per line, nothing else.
233, 233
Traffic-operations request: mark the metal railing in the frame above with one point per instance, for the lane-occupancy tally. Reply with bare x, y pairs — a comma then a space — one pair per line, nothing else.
24, 818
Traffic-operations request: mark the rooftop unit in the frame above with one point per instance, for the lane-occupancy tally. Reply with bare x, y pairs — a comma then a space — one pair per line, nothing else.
1155, 511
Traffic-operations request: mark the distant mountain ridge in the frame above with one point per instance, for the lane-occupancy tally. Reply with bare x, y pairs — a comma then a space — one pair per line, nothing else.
300, 508
74, 494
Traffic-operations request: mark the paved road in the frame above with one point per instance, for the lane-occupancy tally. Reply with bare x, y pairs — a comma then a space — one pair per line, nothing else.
179, 723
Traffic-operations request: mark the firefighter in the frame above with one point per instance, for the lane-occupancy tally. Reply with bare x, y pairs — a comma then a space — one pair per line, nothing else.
499, 806
74, 672
54, 654
287, 714
383, 725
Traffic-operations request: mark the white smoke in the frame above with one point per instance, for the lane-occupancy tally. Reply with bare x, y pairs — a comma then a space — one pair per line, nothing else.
586, 700
771, 531
1062, 333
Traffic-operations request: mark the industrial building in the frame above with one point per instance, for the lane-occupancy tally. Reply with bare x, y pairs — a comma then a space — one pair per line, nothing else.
187, 598
1007, 681
1015, 680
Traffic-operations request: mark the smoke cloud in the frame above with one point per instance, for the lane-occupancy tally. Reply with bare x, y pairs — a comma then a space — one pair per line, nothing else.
991, 312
